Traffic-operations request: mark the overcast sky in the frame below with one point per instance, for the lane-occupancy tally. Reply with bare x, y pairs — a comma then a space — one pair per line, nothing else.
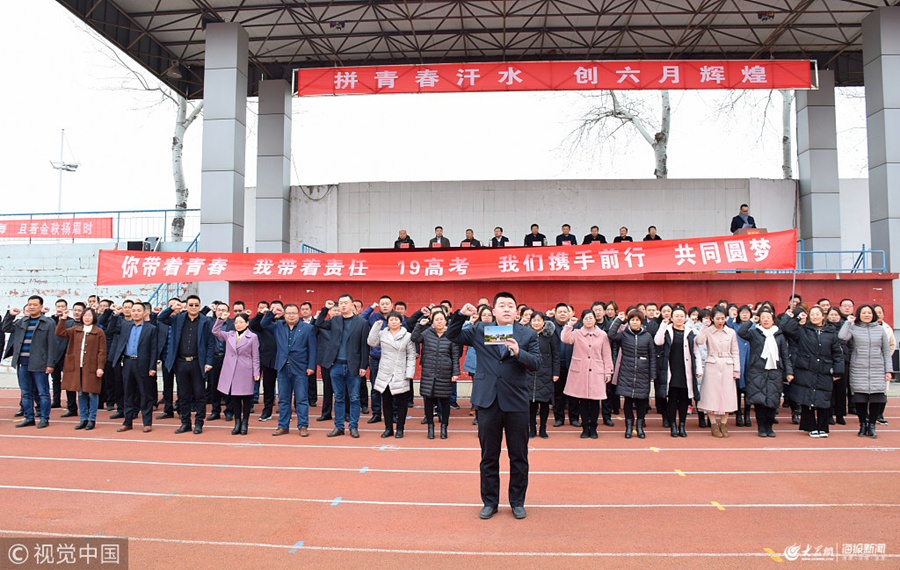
57, 77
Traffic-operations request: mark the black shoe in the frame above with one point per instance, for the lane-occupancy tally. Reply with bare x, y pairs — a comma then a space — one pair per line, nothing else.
213, 416
831, 421
593, 433
68, 414
81, 425
640, 429
26, 423
55, 405
229, 416
769, 431
44, 423
267, 417
237, 428
608, 422
335, 432
245, 426
519, 512
374, 419
398, 435
673, 431
795, 418
19, 414
443, 431
681, 432
761, 430
110, 407
487, 512
575, 423
585, 433
543, 432
665, 422
364, 410
881, 420
117, 416
324, 418
869, 432
355, 432
454, 405
629, 424
747, 422
431, 432
775, 421
840, 420
863, 430
313, 404
739, 419
388, 432
183, 428
89, 426
165, 416
409, 404
558, 423
198, 429
532, 431
423, 422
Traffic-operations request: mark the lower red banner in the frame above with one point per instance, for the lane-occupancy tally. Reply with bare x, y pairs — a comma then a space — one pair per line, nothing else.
745, 253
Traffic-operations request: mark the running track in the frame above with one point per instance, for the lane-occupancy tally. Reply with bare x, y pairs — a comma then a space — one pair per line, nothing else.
223, 501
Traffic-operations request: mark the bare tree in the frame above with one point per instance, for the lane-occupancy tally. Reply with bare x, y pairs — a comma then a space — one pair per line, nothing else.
787, 157
614, 111
749, 103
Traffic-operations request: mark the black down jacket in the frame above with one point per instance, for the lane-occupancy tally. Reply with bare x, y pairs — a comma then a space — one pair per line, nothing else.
540, 382
636, 365
439, 360
817, 360
764, 386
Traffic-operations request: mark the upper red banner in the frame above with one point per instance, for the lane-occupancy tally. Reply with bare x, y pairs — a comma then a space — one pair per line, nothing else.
748, 252
57, 228
556, 76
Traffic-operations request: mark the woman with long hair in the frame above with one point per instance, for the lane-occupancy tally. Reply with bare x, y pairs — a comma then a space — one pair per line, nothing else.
635, 369
870, 366
679, 367
718, 394
742, 314
240, 368
839, 389
770, 362
440, 368
540, 388
84, 361
591, 368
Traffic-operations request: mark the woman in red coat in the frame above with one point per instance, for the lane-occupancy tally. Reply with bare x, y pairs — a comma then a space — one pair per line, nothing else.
240, 368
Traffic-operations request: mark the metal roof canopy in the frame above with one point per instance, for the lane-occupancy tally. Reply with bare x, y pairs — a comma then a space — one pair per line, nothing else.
167, 36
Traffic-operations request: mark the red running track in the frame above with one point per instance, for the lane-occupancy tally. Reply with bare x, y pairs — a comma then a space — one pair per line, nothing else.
216, 500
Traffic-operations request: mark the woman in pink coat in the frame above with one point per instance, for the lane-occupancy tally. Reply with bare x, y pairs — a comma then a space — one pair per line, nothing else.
718, 396
591, 368
240, 368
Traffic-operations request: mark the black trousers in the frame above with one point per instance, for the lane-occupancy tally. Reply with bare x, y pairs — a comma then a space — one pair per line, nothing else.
213, 396
869, 412
542, 408
242, 406
765, 417
639, 405
561, 401
269, 378
140, 392
168, 390
814, 419
71, 397
611, 404
388, 400
492, 423
839, 393
677, 402
191, 391
662, 406
106, 385
444, 410
590, 412
117, 390
327, 392
312, 388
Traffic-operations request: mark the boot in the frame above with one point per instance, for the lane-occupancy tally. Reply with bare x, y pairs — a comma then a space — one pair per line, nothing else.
665, 422
237, 427
716, 432
739, 419
760, 428
681, 432
769, 431
532, 431
863, 429
640, 429
871, 431
724, 430
629, 424
701, 417
673, 430
431, 431
747, 422
795, 418
585, 432
543, 430
443, 431
245, 425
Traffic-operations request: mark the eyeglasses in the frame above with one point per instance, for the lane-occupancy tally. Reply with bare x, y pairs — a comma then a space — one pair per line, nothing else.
193, 304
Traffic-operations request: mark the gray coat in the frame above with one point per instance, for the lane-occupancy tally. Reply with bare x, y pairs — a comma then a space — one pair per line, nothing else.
43, 342
871, 358
398, 358
439, 360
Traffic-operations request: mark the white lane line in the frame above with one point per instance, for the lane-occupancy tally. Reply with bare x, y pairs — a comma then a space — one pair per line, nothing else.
393, 447
438, 471
541, 554
466, 505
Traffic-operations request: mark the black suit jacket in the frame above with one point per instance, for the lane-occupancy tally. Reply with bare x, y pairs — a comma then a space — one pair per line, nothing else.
148, 345
357, 342
267, 345
737, 223
504, 379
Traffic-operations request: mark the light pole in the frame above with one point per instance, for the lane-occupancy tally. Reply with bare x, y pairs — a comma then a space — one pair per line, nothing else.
62, 166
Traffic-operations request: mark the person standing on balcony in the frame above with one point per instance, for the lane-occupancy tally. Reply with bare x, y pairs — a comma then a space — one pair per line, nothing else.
743, 220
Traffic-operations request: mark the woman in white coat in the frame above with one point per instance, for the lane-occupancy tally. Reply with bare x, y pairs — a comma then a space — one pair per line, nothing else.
397, 367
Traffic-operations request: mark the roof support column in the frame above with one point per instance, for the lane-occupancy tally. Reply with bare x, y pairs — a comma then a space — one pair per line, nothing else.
224, 132
273, 168
881, 74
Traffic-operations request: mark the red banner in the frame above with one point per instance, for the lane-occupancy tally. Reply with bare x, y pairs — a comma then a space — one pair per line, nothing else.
748, 252
57, 228
556, 76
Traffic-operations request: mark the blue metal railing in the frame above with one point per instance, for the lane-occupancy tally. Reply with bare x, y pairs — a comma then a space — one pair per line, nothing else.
167, 287
309, 249
127, 224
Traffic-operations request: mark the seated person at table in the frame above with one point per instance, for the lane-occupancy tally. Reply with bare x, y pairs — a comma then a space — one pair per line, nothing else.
439, 238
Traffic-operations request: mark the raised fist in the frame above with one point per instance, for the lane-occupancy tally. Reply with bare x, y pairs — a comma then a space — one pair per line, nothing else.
424, 322
278, 310
573, 320
468, 309
15, 312
329, 304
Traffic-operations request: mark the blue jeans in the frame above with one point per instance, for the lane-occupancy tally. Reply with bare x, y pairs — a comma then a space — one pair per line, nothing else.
341, 380
294, 383
376, 396
35, 387
255, 391
87, 406
453, 394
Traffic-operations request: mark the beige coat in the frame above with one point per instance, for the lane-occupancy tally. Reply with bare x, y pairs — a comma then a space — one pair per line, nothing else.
718, 394
398, 358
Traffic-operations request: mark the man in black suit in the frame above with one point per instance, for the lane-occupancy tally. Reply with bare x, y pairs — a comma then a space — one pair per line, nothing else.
267, 351
347, 354
742, 220
137, 346
499, 240
500, 394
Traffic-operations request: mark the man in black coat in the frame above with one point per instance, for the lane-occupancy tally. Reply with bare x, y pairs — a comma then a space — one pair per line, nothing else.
744, 219
595, 235
267, 350
499, 240
500, 394
33, 341
137, 346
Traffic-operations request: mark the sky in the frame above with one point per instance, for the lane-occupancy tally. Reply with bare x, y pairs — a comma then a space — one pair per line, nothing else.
121, 137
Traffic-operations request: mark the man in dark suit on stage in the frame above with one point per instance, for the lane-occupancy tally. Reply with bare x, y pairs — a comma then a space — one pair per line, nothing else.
500, 394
